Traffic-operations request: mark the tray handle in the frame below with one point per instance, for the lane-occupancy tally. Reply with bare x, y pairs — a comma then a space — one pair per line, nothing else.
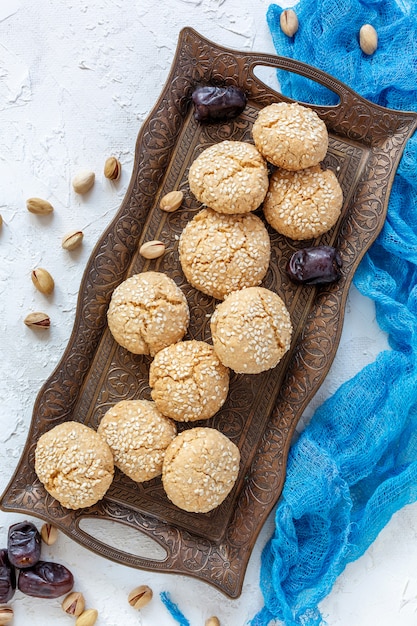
303, 69
164, 564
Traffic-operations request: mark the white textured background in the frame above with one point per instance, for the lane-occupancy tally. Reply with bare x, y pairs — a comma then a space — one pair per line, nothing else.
77, 79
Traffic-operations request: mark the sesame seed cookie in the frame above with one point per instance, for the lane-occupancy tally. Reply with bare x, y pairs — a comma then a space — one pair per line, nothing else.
303, 204
251, 330
229, 177
290, 136
75, 464
188, 381
148, 312
222, 253
200, 468
138, 435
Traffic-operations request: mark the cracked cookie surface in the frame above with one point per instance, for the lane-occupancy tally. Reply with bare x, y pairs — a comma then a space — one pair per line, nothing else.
188, 381
75, 464
303, 204
229, 177
138, 435
251, 330
290, 135
148, 312
200, 468
222, 253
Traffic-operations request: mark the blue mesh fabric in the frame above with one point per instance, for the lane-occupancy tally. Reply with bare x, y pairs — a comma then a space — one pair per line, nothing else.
355, 464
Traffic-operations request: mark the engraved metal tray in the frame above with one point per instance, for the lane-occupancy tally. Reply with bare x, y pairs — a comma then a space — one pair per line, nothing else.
261, 412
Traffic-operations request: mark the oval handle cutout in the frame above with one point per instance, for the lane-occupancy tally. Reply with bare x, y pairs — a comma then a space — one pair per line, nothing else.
274, 78
122, 538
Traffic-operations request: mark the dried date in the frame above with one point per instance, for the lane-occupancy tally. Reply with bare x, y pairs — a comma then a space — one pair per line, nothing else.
45, 580
7, 578
218, 103
318, 265
23, 545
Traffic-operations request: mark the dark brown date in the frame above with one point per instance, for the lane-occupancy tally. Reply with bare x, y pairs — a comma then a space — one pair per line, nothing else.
218, 103
7, 578
45, 580
23, 545
319, 265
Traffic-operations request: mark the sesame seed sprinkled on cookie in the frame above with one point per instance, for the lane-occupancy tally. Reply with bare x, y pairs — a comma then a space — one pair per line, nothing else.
222, 253
290, 135
75, 464
229, 177
188, 381
147, 312
200, 469
251, 330
138, 435
303, 204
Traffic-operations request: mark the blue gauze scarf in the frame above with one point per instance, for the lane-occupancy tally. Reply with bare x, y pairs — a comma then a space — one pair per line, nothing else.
355, 464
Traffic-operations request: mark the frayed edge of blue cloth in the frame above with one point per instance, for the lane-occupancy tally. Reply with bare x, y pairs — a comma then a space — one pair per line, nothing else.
173, 609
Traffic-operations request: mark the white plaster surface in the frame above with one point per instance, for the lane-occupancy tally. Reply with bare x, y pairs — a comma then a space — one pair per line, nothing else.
77, 79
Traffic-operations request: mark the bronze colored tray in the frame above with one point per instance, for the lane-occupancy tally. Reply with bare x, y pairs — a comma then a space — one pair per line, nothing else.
260, 415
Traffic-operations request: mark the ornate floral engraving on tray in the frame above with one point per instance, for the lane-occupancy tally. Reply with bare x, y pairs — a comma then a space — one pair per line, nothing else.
261, 412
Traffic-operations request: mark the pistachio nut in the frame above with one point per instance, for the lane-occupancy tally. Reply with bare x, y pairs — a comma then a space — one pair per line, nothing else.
140, 596
368, 39
212, 621
42, 280
49, 534
37, 320
112, 168
1, 221
6, 614
74, 603
171, 201
152, 249
39, 206
87, 618
83, 181
288, 22
72, 240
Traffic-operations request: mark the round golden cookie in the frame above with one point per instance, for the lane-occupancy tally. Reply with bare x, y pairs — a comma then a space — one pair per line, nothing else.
148, 312
138, 435
290, 136
304, 204
75, 464
188, 381
200, 468
222, 253
251, 330
229, 177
